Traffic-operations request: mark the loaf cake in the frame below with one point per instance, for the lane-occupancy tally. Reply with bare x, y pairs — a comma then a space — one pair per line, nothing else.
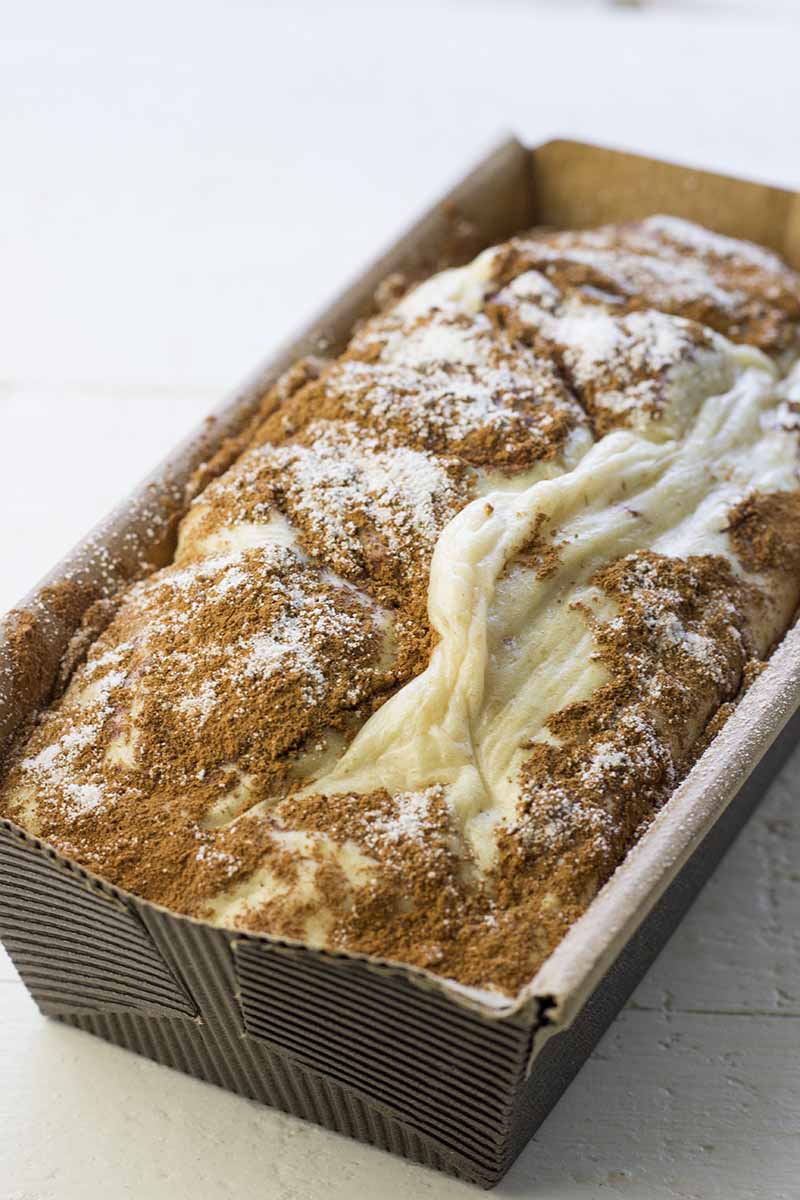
444, 631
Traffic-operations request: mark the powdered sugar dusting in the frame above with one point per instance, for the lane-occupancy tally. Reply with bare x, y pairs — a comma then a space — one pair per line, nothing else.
707, 243
410, 818
461, 400
625, 367
341, 470
290, 643
54, 767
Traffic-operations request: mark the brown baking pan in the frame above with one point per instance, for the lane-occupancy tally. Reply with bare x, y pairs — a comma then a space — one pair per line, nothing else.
380, 1052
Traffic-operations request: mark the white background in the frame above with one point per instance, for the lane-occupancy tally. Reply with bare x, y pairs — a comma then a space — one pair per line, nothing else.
180, 183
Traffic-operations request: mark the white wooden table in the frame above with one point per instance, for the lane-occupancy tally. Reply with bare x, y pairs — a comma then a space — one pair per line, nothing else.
181, 183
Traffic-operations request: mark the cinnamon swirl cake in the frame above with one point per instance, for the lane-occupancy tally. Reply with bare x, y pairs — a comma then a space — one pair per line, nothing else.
441, 640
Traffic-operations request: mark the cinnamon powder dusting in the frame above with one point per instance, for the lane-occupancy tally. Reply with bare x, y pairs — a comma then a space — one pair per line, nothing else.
666, 264
765, 532
204, 704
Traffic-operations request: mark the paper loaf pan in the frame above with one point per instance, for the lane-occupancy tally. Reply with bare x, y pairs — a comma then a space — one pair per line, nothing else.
383, 1053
